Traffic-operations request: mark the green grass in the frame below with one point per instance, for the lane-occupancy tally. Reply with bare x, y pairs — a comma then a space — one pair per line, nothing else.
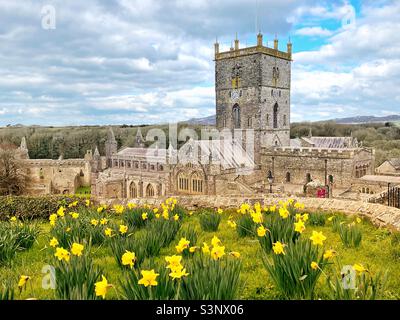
374, 253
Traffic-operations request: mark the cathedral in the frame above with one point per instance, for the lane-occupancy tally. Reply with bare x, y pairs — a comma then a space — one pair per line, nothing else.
252, 87
250, 151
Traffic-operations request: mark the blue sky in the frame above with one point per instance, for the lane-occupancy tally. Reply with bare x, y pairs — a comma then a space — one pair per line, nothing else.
136, 62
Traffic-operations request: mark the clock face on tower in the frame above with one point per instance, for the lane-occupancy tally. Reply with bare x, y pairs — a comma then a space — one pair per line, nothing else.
235, 95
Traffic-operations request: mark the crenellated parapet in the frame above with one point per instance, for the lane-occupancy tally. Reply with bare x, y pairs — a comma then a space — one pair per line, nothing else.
315, 152
236, 51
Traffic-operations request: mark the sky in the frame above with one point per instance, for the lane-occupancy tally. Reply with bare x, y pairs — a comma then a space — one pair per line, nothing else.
99, 62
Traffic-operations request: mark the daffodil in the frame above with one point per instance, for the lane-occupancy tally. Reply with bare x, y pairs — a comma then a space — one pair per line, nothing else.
144, 216
131, 205
75, 215
235, 254
94, 222
108, 232
73, 204
182, 245
330, 218
261, 231
299, 226
329, 254
173, 261
358, 220
190, 213
155, 210
257, 217
178, 273
13, 219
278, 248
317, 238
217, 252
215, 241
176, 217
119, 209
100, 209
61, 212
232, 224
123, 229
53, 242
103, 221
272, 208
149, 278
62, 254
220, 211
314, 265
53, 219
299, 205
206, 248
193, 249
101, 287
359, 268
128, 258
23, 280
305, 217
77, 249
283, 212
87, 203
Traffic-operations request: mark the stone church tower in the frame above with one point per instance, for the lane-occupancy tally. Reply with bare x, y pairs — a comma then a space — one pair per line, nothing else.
253, 92
111, 146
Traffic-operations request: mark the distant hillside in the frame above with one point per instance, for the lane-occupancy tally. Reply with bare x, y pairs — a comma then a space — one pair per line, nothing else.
367, 119
210, 121
206, 121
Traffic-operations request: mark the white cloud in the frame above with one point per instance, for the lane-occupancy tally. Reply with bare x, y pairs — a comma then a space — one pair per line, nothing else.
313, 32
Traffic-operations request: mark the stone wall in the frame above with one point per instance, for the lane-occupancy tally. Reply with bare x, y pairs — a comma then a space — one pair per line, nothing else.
299, 162
57, 176
379, 214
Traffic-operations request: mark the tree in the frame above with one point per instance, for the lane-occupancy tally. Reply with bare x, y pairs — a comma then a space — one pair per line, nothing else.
12, 177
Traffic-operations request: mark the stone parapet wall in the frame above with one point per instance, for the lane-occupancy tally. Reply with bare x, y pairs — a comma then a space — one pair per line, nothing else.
379, 214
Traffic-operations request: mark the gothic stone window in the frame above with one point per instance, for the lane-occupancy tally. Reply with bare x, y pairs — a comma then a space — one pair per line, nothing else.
284, 120
308, 177
276, 109
133, 190
150, 191
183, 182
197, 183
288, 177
236, 116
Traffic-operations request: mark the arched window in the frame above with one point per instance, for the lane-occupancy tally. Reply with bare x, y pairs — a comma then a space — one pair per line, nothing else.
149, 191
288, 177
197, 183
183, 182
308, 178
275, 116
133, 190
236, 116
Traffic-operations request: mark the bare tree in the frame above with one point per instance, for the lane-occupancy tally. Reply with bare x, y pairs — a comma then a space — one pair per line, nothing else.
13, 179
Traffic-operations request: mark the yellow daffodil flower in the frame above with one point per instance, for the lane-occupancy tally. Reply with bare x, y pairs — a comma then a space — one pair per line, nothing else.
101, 287
278, 248
77, 249
217, 252
128, 258
149, 278
54, 242
317, 238
62, 254
23, 280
